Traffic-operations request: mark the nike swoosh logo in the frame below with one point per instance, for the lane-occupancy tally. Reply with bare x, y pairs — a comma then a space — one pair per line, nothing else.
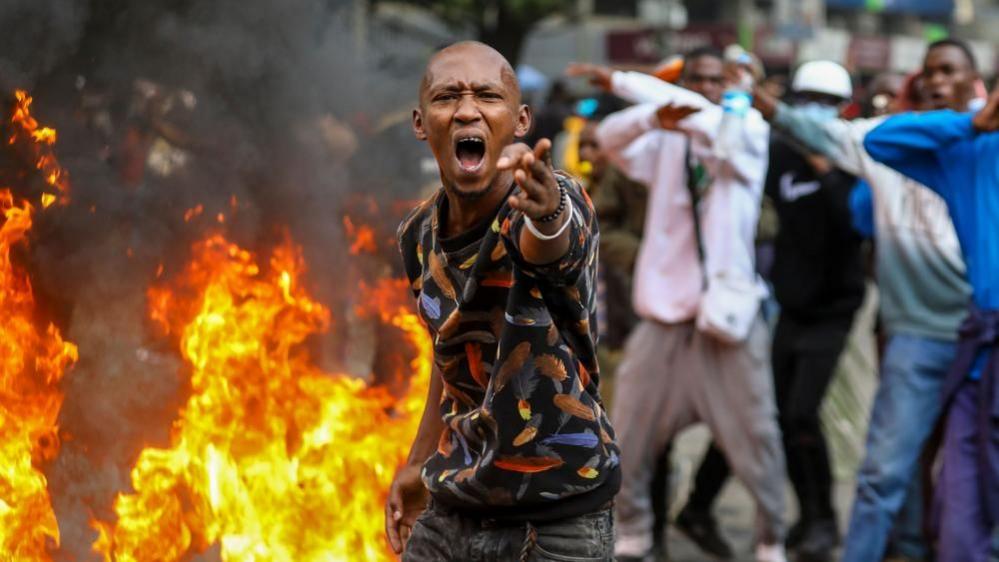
791, 191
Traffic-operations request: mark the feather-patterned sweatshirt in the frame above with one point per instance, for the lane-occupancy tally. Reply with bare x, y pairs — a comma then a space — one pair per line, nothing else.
526, 436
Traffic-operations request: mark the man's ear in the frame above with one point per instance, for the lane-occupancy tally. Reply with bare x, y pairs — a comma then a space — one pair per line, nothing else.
418, 130
524, 121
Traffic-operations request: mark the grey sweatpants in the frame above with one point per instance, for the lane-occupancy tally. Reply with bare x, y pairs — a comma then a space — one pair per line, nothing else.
673, 376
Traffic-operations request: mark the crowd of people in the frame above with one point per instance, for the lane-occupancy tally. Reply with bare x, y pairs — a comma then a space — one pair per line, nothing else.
518, 456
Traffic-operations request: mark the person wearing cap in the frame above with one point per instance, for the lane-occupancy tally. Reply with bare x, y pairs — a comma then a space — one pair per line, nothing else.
818, 278
924, 294
675, 373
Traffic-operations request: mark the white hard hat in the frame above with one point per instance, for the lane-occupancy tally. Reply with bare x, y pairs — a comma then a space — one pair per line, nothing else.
823, 77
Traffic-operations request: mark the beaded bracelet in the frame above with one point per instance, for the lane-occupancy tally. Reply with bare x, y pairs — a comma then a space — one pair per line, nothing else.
566, 204
562, 198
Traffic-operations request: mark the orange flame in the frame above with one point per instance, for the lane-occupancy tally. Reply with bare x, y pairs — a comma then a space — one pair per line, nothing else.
362, 237
32, 361
42, 139
271, 458
193, 212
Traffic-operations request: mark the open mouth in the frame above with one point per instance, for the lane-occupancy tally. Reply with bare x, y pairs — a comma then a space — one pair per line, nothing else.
938, 99
471, 153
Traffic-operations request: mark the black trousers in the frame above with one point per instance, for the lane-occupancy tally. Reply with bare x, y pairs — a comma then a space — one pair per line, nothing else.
804, 358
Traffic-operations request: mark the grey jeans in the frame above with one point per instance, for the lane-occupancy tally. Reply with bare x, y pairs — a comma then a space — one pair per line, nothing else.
674, 376
444, 536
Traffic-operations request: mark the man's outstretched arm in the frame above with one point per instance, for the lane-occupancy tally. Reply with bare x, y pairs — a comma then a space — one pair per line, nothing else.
539, 196
839, 140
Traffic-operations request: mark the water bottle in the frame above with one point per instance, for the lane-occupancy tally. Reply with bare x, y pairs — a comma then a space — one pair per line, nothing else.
735, 103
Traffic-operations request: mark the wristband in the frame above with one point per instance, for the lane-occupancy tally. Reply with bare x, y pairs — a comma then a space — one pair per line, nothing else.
539, 235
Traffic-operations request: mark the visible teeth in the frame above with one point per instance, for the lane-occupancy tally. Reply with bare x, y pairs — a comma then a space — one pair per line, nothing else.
471, 139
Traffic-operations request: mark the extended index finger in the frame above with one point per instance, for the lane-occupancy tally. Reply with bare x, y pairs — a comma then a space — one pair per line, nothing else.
541, 150
512, 156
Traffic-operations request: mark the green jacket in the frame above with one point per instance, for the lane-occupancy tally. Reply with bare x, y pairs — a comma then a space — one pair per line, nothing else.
620, 205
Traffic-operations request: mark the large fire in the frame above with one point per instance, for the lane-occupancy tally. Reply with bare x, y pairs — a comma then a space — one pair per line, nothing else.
271, 459
33, 358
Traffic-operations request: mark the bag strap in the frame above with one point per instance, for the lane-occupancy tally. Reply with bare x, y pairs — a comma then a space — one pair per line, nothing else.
694, 180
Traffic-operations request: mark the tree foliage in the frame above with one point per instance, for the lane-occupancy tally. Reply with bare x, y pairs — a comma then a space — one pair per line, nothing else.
504, 24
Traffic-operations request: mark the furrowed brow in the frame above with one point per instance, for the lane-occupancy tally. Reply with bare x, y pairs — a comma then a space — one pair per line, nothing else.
495, 86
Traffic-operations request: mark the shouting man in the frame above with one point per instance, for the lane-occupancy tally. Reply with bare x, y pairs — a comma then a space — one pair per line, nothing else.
514, 446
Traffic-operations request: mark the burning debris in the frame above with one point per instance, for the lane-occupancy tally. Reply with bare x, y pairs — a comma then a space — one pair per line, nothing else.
270, 458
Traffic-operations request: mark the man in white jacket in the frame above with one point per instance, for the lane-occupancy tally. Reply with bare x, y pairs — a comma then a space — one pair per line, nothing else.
673, 375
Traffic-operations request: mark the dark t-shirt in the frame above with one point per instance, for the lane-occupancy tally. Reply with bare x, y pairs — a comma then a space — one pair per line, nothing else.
526, 436
818, 271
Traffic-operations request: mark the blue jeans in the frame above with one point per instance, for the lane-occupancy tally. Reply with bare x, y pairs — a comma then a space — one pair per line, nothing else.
904, 413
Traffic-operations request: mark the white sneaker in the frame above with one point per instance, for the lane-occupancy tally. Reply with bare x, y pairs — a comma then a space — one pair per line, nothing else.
770, 553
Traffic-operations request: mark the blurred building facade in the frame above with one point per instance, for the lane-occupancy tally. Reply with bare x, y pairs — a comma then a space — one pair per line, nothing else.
867, 36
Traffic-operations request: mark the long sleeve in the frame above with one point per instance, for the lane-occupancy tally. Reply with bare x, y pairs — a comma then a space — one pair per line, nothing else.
701, 127
911, 143
748, 165
837, 139
640, 88
630, 141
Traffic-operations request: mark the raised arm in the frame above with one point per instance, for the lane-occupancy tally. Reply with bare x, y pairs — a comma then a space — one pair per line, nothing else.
625, 137
839, 140
540, 195
638, 87
904, 134
910, 143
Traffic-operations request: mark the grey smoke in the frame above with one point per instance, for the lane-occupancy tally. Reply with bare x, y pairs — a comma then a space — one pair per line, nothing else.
263, 73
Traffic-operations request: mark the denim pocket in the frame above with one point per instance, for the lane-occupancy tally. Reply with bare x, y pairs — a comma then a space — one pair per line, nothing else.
588, 538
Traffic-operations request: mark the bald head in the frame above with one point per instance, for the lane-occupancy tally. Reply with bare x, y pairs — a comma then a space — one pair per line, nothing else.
473, 53
469, 111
